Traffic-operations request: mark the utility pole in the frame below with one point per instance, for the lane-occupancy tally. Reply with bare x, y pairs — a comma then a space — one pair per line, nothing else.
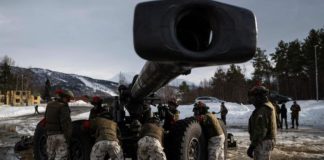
316, 73
22, 88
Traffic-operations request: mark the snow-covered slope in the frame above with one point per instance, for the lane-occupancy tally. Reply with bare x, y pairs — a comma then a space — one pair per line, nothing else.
80, 85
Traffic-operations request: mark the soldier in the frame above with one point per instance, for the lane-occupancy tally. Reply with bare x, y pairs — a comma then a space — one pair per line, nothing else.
277, 108
106, 132
36, 110
97, 107
172, 114
223, 111
295, 109
150, 144
213, 130
283, 112
58, 126
262, 124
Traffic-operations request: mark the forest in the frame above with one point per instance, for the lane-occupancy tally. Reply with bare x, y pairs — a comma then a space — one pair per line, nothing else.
289, 71
294, 70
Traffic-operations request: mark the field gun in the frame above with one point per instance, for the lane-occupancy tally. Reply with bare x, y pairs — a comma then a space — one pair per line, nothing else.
174, 36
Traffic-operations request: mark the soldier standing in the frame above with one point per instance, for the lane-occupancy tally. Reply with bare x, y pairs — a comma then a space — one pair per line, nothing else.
277, 108
262, 124
295, 109
223, 112
213, 130
97, 107
283, 112
106, 131
36, 109
171, 114
150, 144
58, 126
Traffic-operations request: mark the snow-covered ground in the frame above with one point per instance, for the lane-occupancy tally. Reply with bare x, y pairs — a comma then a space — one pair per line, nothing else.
16, 111
305, 143
311, 115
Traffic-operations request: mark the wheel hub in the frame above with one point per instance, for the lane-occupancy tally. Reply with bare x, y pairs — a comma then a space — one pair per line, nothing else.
193, 149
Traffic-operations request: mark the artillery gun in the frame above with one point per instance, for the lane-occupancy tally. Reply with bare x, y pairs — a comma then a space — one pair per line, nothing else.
174, 36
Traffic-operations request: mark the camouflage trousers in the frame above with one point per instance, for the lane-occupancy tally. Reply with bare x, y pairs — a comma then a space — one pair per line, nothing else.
216, 148
150, 148
57, 148
102, 148
263, 150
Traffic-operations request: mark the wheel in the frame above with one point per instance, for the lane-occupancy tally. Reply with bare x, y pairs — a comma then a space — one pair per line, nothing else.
186, 141
40, 137
81, 142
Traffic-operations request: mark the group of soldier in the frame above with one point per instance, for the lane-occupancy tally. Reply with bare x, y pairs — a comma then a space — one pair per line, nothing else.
281, 115
262, 128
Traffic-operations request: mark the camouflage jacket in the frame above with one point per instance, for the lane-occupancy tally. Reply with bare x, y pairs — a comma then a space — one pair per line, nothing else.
210, 125
104, 129
295, 109
262, 124
171, 116
96, 111
152, 130
58, 120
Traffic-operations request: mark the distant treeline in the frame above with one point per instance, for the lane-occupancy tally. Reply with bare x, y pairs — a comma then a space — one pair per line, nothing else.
15, 80
290, 71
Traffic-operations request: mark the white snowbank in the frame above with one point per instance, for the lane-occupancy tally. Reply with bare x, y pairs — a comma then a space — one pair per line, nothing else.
80, 103
312, 112
9, 111
81, 116
311, 115
238, 114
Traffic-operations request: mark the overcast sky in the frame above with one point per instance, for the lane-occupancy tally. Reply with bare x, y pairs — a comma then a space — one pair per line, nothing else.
94, 38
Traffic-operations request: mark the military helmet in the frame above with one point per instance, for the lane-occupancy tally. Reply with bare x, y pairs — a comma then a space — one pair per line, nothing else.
258, 91
96, 100
200, 108
121, 87
173, 102
64, 93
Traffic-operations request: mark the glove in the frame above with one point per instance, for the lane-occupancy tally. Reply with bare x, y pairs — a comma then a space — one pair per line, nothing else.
250, 151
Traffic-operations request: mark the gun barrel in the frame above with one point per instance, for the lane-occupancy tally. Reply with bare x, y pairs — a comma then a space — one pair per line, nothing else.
154, 76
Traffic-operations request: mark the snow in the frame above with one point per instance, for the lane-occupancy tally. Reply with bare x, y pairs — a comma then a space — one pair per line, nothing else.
80, 103
311, 115
96, 86
81, 116
304, 143
238, 114
8, 111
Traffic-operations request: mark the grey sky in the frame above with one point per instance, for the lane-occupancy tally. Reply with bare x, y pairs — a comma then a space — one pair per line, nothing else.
94, 38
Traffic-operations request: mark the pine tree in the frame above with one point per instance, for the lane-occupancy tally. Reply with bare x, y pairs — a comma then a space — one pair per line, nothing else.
218, 83
262, 67
236, 88
6, 76
47, 89
184, 88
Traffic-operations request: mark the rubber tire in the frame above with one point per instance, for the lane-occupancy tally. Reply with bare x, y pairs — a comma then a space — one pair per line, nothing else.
39, 147
178, 140
81, 142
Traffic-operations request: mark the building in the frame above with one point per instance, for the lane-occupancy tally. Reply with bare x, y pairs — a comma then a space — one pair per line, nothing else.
19, 98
